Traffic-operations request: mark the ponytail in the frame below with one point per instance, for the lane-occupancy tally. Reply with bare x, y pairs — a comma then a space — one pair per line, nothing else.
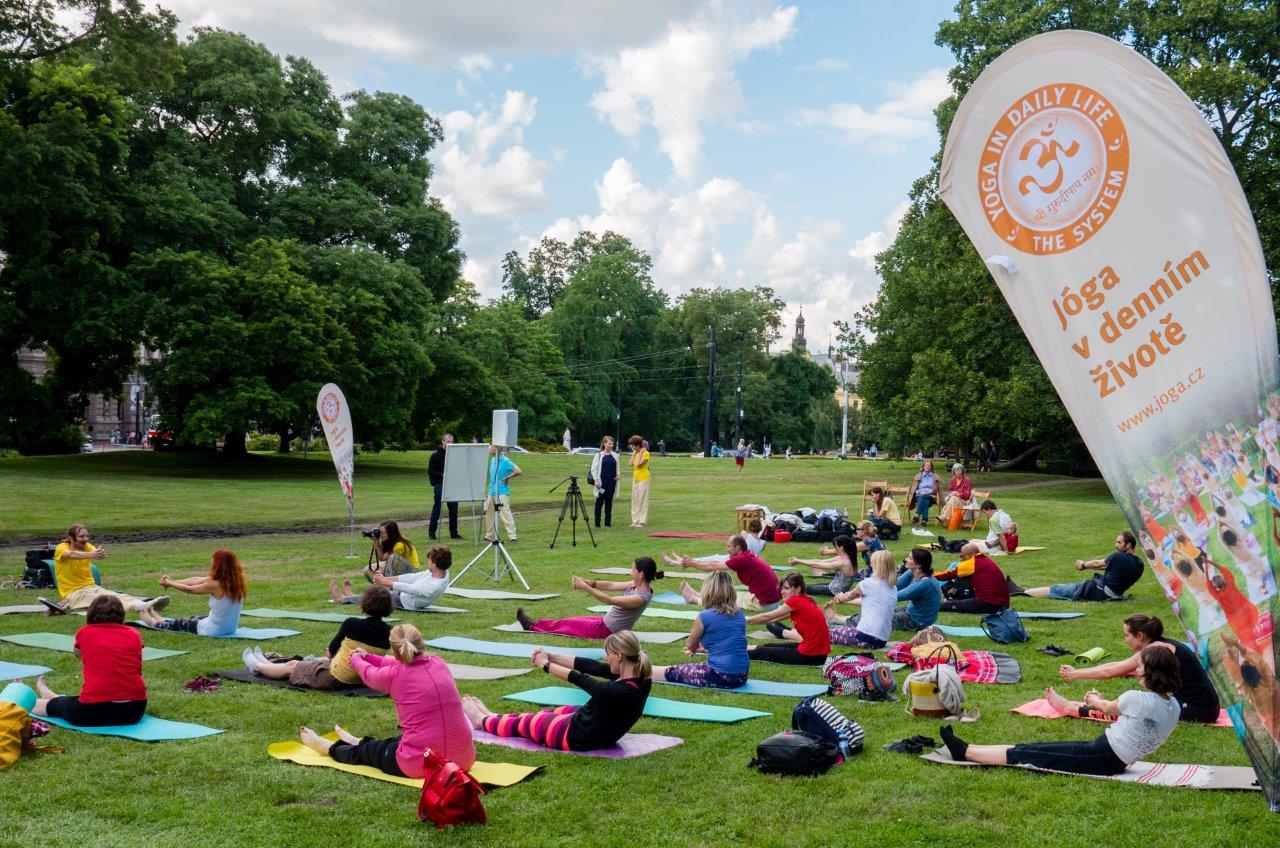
624, 642
648, 569
406, 643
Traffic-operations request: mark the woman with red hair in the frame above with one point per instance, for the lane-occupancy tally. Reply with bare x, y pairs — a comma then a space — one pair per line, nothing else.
225, 586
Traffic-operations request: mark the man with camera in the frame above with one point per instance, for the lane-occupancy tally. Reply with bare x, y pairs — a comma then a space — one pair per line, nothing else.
498, 495
435, 475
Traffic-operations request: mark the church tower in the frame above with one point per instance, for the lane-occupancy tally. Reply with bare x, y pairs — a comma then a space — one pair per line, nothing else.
798, 343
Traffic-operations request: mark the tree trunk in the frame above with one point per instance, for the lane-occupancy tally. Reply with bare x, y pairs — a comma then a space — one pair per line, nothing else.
287, 435
1015, 462
233, 444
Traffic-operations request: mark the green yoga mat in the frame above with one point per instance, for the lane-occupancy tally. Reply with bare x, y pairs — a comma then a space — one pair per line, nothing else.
655, 612
356, 610
1090, 656
67, 643
336, 617
560, 696
150, 729
14, 671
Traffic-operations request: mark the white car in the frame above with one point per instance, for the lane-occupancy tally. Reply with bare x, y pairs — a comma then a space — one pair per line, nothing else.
584, 451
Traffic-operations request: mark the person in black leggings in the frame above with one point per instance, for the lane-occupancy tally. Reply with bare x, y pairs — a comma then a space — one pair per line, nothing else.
807, 620
114, 692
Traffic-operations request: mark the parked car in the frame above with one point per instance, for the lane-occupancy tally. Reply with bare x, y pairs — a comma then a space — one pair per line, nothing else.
584, 451
517, 449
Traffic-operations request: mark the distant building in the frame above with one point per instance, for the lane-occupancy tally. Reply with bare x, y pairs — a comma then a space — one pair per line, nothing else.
798, 343
127, 415
844, 371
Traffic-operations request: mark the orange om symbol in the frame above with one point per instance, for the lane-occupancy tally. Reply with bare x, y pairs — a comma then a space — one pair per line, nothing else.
1049, 151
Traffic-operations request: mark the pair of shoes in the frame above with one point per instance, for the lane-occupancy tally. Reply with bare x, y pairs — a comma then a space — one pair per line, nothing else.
157, 604
911, 745
523, 617
1054, 651
432, 536
455, 536
1014, 588
52, 607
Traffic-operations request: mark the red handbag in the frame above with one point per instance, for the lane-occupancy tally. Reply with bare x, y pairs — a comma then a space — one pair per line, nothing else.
449, 794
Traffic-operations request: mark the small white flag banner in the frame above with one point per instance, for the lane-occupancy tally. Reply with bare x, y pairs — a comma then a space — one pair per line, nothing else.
1113, 223
335, 418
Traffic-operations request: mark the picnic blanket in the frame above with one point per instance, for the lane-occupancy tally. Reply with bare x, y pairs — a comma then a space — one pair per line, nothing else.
1040, 708
1181, 776
490, 774
975, 666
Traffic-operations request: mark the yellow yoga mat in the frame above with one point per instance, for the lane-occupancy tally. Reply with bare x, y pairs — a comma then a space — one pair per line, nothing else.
1090, 656
490, 774
1026, 549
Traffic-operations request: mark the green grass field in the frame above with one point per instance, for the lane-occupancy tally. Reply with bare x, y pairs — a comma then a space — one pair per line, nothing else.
225, 790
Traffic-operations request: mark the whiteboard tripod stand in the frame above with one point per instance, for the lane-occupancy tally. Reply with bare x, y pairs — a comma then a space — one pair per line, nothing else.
503, 564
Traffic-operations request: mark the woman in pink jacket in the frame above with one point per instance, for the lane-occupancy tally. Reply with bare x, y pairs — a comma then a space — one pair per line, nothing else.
427, 704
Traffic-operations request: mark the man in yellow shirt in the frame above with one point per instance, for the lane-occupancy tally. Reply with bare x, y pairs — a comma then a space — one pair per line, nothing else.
73, 570
639, 482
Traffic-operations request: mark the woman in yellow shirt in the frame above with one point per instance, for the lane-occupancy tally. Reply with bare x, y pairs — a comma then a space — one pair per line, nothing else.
639, 482
394, 552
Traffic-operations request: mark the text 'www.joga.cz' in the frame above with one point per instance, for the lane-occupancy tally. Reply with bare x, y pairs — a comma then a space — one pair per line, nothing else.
1160, 402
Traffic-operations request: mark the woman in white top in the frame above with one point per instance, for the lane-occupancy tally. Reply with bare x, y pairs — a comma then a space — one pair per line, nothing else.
879, 594
751, 536
1144, 721
226, 587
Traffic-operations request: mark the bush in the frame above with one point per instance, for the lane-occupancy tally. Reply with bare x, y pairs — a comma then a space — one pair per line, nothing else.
262, 442
539, 446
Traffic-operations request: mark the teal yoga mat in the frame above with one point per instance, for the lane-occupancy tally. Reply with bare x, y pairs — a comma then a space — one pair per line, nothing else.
669, 598
560, 696
764, 687
1056, 615
300, 615
951, 630
67, 643
255, 633
13, 671
508, 649
650, 612
150, 729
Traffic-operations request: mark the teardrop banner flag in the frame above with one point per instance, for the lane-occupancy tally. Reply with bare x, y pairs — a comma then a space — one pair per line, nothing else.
1115, 227
335, 417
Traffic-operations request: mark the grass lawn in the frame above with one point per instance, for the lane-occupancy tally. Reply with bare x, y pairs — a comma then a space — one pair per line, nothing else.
225, 790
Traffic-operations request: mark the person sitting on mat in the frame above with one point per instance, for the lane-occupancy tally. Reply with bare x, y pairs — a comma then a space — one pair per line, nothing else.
1144, 721
428, 708
73, 572
1002, 532
370, 634
884, 514
756, 574
919, 588
1196, 695
226, 587
870, 628
110, 654
808, 623
618, 687
625, 609
1120, 571
413, 591
844, 563
394, 553
987, 581
720, 631
752, 536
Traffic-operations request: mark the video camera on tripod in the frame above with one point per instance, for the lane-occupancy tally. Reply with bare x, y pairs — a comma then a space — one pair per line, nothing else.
574, 505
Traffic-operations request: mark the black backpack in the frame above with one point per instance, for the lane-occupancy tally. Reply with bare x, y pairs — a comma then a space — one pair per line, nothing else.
795, 752
37, 574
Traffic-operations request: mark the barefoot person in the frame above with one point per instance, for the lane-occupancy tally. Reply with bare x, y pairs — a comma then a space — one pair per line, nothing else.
428, 708
844, 563
370, 634
1195, 694
756, 574
808, 622
719, 631
879, 594
73, 569
751, 536
414, 591
618, 687
226, 587
1144, 720
625, 608
110, 653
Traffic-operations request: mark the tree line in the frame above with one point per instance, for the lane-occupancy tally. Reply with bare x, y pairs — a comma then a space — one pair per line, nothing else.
223, 206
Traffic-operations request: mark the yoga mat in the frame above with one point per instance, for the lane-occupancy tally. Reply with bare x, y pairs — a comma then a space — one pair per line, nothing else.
13, 671
763, 687
67, 643
1026, 549
1090, 656
22, 608
650, 612
669, 598
256, 634
719, 537
952, 630
1062, 616
432, 608
499, 595
1040, 708
1180, 776
490, 774
560, 696
459, 672
631, 745
519, 650
150, 729
653, 638
300, 615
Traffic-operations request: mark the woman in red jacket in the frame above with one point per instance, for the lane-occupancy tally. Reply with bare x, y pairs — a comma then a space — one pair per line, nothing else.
111, 654
959, 493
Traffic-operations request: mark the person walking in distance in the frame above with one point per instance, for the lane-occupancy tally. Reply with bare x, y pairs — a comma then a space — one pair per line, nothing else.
639, 481
435, 474
498, 495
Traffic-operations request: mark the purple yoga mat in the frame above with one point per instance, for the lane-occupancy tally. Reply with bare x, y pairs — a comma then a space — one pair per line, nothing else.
631, 745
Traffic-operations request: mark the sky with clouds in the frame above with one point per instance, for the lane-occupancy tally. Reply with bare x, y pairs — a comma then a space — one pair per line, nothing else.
739, 143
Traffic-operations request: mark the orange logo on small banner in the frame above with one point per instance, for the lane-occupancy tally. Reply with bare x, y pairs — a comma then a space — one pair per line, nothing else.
330, 407
1053, 168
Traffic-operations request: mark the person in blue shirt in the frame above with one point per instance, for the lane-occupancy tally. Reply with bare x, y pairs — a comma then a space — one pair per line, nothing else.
501, 470
920, 589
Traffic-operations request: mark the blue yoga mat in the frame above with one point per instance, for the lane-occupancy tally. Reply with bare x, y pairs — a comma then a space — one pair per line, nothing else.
241, 632
668, 598
560, 696
1056, 615
13, 671
518, 650
654, 612
951, 630
150, 729
763, 687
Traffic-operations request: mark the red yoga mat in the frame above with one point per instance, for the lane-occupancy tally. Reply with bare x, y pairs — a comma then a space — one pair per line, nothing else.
721, 537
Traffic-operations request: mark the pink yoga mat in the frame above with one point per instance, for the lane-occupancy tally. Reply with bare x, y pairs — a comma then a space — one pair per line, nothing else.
1040, 708
631, 745
722, 537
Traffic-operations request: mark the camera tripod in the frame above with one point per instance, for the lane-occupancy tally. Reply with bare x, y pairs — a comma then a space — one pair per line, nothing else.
574, 505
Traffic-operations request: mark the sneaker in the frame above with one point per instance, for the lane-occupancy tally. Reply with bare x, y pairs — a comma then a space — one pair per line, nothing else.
157, 604
905, 746
1014, 588
52, 607
523, 617
455, 536
1053, 651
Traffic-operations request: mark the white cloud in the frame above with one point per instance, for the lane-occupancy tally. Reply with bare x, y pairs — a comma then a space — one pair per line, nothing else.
866, 248
474, 65
828, 65
483, 168
684, 79
906, 115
